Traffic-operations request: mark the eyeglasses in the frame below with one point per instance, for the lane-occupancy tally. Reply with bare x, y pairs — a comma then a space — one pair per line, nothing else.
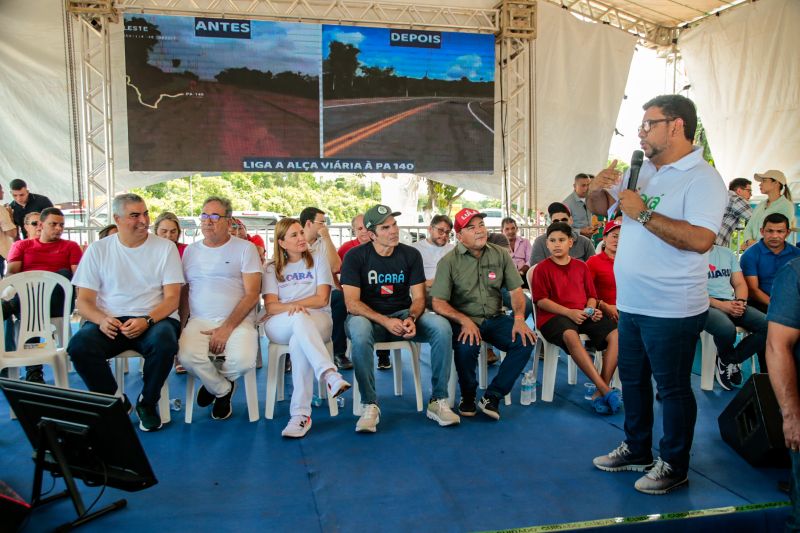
566, 220
647, 125
442, 231
33, 223
213, 217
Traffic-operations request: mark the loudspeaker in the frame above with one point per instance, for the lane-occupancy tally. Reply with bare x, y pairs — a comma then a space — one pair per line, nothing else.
752, 424
13, 509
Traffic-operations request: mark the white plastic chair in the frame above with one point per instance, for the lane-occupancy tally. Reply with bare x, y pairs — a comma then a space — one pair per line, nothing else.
397, 347
276, 361
709, 358
120, 361
35, 289
250, 391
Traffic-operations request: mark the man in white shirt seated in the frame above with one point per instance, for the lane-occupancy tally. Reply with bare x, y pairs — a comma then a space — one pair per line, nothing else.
223, 281
435, 246
130, 286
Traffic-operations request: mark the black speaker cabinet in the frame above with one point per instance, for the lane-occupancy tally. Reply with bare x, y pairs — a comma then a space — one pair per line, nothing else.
13, 509
752, 424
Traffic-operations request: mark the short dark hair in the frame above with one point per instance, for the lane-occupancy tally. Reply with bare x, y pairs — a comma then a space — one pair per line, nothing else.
775, 218
309, 213
507, 220
557, 207
17, 184
738, 183
47, 211
442, 218
583, 176
563, 227
677, 106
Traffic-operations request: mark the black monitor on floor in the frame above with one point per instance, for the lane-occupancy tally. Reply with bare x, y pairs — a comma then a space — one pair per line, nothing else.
97, 438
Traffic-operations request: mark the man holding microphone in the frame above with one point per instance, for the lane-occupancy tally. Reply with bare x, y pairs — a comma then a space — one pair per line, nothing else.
670, 220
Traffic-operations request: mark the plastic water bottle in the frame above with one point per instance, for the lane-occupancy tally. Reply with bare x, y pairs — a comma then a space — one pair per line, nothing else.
175, 404
316, 401
340, 402
533, 386
527, 389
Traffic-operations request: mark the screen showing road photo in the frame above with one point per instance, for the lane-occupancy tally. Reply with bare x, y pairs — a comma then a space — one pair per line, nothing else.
422, 96
204, 94
208, 95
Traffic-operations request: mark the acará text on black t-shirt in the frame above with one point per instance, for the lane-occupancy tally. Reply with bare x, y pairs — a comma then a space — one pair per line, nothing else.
385, 282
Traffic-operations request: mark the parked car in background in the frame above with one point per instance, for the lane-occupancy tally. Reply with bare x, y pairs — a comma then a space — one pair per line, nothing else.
255, 220
494, 216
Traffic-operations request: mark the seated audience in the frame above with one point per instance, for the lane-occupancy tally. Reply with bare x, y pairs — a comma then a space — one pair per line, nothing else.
582, 247
520, 247
25, 202
567, 302
779, 200
297, 285
384, 290
583, 221
8, 232
130, 286
601, 267
467, 292
43, 250
218, 343
727, 294
107, 231
238, 229
31, 225
360, 236
762, 261
168, 227
738, 209
435, 246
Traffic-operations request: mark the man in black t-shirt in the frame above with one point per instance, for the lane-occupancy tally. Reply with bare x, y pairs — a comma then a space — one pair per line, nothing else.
25, 202
384, 290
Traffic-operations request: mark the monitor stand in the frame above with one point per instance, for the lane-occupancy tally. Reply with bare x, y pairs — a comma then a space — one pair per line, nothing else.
49, 441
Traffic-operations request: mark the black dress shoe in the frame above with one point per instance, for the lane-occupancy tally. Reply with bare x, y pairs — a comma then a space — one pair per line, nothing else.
342, 362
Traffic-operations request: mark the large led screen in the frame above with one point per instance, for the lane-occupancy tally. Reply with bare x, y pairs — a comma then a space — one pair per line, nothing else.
231, 95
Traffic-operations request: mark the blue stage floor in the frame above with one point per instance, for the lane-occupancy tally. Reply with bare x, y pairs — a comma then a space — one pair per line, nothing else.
532, 468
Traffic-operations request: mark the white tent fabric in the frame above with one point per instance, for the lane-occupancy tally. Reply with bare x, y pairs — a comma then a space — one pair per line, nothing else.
744, 68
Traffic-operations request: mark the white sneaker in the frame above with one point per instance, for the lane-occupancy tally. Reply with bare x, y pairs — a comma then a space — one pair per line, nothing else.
336, 384
368, 423
297, 427
440, 411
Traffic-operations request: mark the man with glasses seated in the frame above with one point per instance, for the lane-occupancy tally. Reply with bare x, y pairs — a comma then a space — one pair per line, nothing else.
466, 291
435, 246
44, 250
130, 286
582, 247
738, 209
219, 342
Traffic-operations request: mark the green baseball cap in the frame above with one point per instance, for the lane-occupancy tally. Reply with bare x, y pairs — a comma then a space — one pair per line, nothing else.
376, 215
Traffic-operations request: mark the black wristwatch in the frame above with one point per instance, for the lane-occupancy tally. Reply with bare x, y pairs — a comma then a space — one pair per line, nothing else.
149, 320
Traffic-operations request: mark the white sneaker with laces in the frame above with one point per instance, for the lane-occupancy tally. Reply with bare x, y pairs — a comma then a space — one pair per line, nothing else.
336, 384
661, 479
368, 423
297, 427
439, 410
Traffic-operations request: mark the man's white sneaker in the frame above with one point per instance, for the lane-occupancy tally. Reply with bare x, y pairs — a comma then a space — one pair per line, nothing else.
440, 411
336, 384
297, 427
368, 423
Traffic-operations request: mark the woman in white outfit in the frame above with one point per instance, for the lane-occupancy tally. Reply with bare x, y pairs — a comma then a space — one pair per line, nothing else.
297, 288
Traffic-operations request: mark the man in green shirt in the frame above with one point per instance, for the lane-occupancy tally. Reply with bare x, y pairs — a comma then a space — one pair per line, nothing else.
466, 290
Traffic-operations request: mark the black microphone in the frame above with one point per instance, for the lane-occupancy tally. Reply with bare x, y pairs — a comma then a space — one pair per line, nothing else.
636, 165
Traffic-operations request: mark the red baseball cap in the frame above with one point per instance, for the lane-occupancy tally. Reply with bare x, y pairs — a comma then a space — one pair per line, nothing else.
611, 225
464, 216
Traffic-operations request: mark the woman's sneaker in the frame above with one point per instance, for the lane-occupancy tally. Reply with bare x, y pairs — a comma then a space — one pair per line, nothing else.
336, 384
297, 427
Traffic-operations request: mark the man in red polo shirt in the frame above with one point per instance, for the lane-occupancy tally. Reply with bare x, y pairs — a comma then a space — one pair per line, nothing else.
360, 236
601, 266
50, 253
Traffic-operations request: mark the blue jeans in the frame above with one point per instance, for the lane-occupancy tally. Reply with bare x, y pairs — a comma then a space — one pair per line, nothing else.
497, 332
338, 314
663, 348
723, 327
793, 522
364, 333
507, 303
90, 350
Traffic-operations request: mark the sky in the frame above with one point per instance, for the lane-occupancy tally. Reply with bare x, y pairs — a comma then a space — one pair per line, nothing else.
461, 54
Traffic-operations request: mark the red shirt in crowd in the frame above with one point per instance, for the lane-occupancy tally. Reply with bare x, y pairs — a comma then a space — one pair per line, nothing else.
346, 247
569, 285
255, 239
602, 268
181, 248
50, 256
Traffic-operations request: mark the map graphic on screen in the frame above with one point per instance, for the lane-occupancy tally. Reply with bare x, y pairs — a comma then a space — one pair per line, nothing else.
230, 95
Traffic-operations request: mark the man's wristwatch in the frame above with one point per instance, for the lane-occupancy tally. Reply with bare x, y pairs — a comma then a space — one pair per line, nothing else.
149, 320
645, 216
413, 318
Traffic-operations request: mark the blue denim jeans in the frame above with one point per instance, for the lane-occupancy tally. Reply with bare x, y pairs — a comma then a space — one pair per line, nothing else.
507, 302
90, 350
364, 333
793, 522
497, 332
663, 348
338, 314
723, 327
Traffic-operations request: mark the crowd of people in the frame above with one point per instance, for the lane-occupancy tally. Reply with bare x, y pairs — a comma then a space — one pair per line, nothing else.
662, 272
